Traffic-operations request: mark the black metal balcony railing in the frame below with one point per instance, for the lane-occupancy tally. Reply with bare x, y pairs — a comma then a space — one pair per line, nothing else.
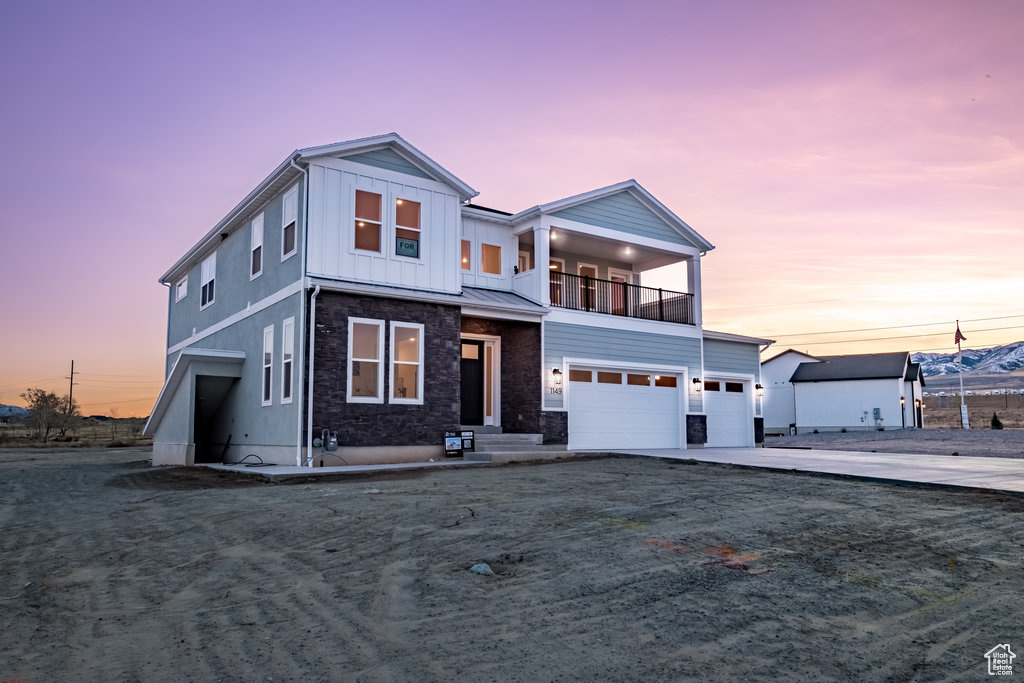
582, 293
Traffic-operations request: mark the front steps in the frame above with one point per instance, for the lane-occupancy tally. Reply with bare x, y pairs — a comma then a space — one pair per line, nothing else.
497, 448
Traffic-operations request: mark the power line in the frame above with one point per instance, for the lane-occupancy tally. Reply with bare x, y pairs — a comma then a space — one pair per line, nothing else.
897, 327
906, 336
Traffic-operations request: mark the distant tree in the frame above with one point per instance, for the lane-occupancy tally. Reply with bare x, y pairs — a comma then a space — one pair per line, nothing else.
67, 414
43, 406
115, 414
996, 422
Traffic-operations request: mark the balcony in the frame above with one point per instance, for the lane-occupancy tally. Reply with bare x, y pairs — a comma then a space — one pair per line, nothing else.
582, 293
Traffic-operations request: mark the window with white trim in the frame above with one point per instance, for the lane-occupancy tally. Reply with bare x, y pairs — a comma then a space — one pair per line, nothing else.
365, 360
490, 259
208, 272
289, 221
367, 220
407, 228
256, 248
181, 289
287, 358
268, 363
406, 363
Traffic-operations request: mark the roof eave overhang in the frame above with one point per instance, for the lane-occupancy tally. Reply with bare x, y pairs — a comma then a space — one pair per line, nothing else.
280, 177
739, 338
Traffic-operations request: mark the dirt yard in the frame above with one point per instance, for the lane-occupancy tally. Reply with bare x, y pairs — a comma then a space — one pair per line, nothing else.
607, 569
994, 443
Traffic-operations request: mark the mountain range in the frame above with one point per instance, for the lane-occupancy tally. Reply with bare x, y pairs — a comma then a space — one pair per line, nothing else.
996, 360
13, 411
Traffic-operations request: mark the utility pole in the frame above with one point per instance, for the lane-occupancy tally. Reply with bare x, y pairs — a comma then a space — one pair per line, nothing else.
71, 385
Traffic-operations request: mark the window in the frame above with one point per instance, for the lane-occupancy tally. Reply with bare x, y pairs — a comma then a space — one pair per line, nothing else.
609, 378
368, 220
208, 273
287, 354
467, 251
365, 356
712, 385
256, 248
268, 362
580, 375
407, 228
734, 387
638, 380
181, 289
490, 259
406, 363
664, 381
289, 219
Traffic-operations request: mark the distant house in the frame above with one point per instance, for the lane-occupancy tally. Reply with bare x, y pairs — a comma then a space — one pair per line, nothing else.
831, 393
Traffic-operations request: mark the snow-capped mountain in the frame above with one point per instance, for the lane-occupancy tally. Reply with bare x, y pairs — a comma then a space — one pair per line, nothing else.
996, 360
13, 411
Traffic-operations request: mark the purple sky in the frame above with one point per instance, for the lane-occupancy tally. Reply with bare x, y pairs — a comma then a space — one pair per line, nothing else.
857, 164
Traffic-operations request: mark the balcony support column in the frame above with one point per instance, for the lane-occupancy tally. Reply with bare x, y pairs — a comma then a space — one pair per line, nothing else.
693, 286
541, 261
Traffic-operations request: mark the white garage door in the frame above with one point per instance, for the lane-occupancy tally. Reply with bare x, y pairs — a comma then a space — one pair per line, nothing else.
612, 408
726, 405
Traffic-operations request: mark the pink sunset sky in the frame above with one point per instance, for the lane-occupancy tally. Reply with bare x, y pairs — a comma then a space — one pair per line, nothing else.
856, 164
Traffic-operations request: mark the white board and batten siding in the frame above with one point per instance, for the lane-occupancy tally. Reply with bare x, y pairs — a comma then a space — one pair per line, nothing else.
332, 252
479, 233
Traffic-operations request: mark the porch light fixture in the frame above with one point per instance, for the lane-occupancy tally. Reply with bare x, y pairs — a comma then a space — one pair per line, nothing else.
760, 390
903, 400
556, 374
696, 384
628, 250
398, 201
553, 266
554, 236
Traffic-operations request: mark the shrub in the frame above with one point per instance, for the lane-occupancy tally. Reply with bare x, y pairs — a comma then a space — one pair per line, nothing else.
996, 422
843, 430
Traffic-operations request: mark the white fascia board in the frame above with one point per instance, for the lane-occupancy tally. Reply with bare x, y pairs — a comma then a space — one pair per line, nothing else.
789, 351
552, 222
280, 176
178, 371
618, 322
480, 215
739, 338
502, 313
396, 143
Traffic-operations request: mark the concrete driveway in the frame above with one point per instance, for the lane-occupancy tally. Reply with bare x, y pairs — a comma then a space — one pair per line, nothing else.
1000, 474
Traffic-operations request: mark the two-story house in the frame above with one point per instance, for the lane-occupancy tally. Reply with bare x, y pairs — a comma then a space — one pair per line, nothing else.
357, 292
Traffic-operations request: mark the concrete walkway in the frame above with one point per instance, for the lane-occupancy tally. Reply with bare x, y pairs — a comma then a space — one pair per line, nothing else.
999, 474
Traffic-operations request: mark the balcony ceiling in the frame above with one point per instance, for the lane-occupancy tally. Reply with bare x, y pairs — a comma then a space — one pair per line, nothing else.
580, 244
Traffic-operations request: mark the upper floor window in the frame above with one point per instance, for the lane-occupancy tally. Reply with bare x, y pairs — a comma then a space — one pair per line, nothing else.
407, 228
208, 272
490, 259
368, 220
181, 289
467, 252
256, 248
289, 220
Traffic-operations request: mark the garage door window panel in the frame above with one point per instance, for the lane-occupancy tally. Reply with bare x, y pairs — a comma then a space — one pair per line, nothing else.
609, 378
734, 387
638, 380
712, 385
581, 376
664, 381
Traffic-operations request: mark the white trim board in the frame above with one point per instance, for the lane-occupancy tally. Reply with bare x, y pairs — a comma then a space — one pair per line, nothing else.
619, 322
252, 309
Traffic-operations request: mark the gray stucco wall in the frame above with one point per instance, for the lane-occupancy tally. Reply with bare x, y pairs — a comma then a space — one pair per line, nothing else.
601, 343
233, 290
623, 211
251, 426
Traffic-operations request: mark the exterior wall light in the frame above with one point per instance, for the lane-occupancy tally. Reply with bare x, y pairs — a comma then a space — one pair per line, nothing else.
760, 390
556, 374
696, 384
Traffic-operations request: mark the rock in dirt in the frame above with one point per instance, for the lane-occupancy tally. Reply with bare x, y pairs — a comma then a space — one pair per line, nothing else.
482, 568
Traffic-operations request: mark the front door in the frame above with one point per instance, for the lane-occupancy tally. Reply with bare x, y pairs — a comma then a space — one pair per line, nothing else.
472, 382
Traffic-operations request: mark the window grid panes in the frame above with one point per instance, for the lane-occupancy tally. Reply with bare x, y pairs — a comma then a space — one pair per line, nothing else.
367, 228
365, 357
407, 228
406, 363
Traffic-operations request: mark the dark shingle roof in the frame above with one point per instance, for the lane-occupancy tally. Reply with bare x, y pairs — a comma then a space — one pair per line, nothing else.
914, 373
866, 366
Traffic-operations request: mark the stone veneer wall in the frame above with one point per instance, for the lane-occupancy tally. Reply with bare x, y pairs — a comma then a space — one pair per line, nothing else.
520, 371
555, 426
758, 430
384, 424
696, 430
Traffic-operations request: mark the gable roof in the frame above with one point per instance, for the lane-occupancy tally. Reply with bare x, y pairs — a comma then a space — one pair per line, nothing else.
396, 144
914, 373
634, 190
786, 352
864, 366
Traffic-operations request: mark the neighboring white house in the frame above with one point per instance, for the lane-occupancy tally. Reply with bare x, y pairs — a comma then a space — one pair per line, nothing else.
831, 393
